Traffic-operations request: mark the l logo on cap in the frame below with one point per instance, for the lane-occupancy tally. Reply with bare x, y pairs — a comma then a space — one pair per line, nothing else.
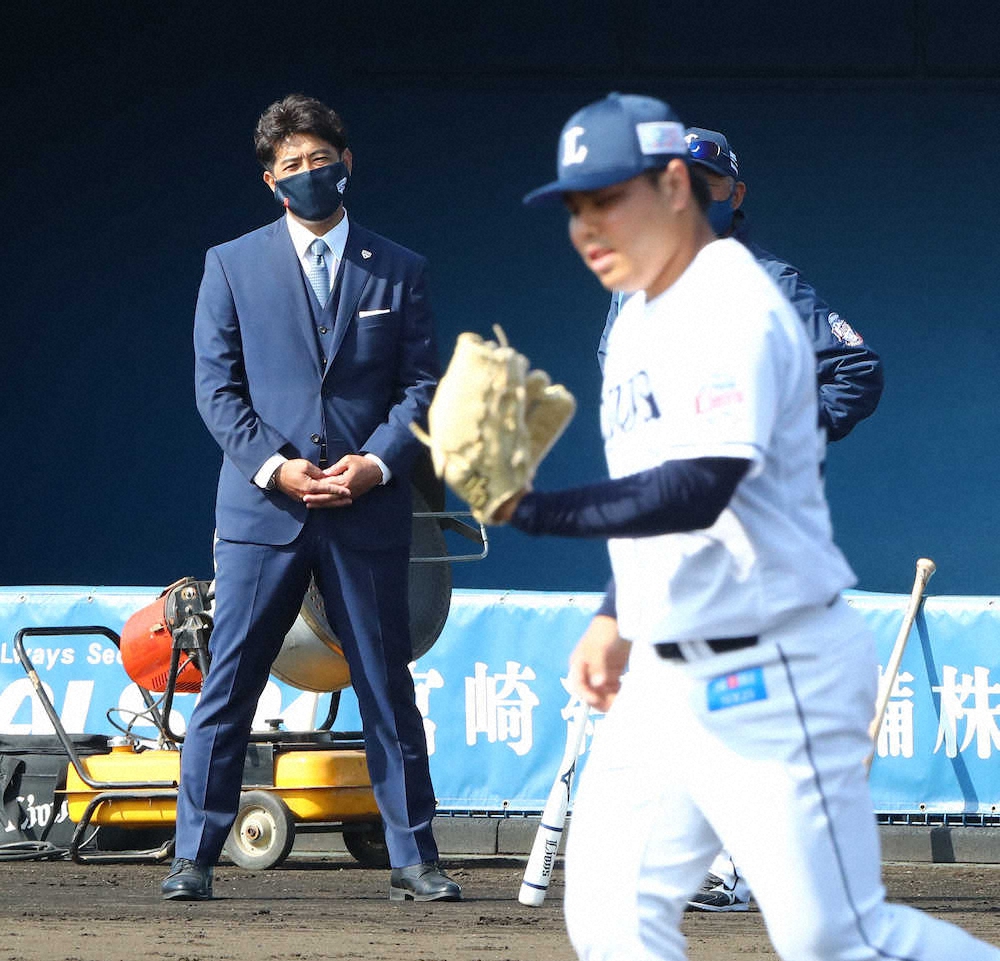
573, 153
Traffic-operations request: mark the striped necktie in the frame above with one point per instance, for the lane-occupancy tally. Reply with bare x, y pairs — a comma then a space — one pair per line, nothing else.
317, 271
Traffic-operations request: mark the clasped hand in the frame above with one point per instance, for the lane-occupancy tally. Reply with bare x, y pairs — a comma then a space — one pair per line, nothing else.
336, 486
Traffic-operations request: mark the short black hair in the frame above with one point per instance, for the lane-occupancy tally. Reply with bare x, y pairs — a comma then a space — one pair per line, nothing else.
294, 114
700, 190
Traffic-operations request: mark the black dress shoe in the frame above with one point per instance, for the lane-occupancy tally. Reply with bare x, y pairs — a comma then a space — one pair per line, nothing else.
187, 881
422, 882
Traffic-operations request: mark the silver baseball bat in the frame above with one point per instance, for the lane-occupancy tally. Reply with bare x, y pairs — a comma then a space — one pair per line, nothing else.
538, 871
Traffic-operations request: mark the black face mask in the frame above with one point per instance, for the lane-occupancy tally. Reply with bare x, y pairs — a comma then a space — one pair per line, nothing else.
314, 194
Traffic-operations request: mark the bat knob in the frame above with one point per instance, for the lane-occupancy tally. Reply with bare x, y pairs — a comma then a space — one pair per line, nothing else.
531, 896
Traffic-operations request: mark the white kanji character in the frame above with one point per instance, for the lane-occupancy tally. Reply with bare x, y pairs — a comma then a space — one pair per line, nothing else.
500, 706
423, 683
895, 736
979, 717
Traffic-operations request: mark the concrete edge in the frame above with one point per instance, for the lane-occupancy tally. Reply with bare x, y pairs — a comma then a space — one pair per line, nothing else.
482, 835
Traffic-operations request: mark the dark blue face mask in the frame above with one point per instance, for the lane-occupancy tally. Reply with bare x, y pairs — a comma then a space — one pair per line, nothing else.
314, 194
720, 215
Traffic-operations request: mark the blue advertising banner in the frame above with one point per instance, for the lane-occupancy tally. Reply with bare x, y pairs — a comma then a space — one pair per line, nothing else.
935, 750
493, 693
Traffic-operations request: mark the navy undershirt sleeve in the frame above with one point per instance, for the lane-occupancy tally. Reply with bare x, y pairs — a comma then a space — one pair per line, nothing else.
608, 606
678, 495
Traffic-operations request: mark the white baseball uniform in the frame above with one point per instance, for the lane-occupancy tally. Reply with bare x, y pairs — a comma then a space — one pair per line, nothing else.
718, 365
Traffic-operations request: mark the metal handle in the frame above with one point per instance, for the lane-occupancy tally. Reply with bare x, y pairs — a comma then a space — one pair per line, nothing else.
450, 520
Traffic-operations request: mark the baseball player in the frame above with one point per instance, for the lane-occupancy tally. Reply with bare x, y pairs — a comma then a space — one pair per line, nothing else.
848, 372
745, 665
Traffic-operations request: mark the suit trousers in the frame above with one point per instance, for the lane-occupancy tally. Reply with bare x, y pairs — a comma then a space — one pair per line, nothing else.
259, 592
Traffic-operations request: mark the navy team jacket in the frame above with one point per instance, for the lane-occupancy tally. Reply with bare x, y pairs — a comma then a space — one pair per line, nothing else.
848, 372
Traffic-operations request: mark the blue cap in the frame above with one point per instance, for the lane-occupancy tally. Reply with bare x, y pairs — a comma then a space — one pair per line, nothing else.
613, 140
710, 149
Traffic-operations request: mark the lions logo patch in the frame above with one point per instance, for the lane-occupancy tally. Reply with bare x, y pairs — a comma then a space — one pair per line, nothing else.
843, 331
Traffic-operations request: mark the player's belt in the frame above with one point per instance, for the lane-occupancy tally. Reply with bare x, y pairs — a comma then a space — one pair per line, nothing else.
672, 651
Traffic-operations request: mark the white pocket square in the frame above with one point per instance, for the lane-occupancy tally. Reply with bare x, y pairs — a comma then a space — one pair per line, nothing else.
374, 313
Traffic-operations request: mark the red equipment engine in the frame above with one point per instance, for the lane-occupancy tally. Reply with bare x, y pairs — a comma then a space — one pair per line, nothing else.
169, 638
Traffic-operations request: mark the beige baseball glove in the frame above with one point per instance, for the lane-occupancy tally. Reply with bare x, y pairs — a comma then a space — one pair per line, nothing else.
491, 422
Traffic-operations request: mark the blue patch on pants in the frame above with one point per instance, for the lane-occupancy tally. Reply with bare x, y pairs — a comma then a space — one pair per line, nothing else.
740, 687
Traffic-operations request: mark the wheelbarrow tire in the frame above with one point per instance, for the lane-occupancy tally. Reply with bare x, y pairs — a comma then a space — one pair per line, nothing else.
366, 844
263, 832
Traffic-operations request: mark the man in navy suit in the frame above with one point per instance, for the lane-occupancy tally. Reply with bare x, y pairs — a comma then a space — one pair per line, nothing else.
314, 350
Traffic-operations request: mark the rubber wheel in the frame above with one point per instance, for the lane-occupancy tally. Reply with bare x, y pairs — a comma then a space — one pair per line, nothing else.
366, 844
263, 832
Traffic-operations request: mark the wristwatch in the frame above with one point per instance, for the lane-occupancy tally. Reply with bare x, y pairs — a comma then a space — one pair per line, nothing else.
272, 481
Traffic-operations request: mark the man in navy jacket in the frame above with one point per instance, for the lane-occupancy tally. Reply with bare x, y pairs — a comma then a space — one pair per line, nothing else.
314, 350
849, 372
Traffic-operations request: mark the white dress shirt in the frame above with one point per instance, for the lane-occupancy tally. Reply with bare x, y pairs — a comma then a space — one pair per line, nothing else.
336, 241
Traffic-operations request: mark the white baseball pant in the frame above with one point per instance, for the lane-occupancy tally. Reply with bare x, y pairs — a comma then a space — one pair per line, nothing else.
796, 814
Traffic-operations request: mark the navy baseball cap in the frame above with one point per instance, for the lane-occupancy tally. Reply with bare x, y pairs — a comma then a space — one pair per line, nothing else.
711, 149
613, 140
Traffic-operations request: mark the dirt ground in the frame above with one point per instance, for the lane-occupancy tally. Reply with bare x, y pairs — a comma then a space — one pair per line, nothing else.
330, 908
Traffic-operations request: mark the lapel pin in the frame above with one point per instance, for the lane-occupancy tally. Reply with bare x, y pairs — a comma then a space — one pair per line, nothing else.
366, 254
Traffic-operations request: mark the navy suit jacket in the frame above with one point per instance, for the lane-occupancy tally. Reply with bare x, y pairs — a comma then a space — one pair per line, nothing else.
261, 387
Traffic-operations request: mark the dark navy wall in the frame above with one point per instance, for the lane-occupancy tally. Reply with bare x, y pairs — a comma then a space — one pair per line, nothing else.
868, 135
